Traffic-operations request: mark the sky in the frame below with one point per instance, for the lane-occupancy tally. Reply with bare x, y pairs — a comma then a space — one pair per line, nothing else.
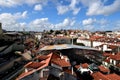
39, 15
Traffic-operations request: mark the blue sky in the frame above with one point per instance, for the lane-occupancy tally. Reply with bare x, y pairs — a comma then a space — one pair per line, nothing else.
38, 15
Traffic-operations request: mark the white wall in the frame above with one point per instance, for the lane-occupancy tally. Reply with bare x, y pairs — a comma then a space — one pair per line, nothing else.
85, 42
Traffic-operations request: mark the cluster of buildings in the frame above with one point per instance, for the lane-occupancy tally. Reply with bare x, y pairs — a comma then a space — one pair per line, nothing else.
58, 55
56, 66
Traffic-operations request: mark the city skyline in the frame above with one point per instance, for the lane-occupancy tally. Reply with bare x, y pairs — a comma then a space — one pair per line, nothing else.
39, 15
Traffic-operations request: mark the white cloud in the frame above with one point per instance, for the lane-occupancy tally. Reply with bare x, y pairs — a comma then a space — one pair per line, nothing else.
38, 7
62, 9
40, 24
12, 3
24, 14
97, 7
73, 6
20, 15
66, 23
88, 21
9, 21
12, 22
89, 27
76, 10
96, 24
102, 21
44, 24
39, 21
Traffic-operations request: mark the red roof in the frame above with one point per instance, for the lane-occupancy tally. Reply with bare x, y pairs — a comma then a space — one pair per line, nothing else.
107, 54
61, 63
55, 56
96, 37
42, 57
113, 76
115, 57
112, 46
99, 76
103, 69
35, 65
77, 66
85, 65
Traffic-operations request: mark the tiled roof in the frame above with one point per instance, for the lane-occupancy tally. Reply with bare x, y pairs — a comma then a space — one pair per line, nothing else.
113, 76
99, 76
107, 54
115, 57
61, 63
85, 65
96, 37
55, 56
103, 69
112, 46
35, 65
77, 66
42, 57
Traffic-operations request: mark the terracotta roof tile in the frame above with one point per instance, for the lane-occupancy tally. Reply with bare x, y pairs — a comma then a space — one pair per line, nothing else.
85, 65
61, 63
103, 69
77, 66
115, 57
112, 46
113, 76
55, 56
35, 65
107, 54
42, 57
99, 76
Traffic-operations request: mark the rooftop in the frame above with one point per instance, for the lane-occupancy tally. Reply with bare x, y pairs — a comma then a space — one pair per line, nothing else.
36, 66
65, 46
103, 69
61, 63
